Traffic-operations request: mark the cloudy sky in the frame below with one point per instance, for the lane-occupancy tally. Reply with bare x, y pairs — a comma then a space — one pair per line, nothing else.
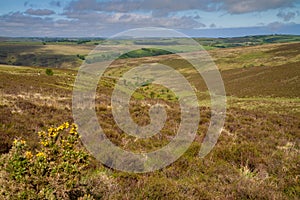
102, 18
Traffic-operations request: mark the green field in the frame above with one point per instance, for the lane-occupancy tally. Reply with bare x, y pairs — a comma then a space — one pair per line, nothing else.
257, 154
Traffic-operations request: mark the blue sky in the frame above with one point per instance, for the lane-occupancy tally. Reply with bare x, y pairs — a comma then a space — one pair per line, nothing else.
102, 18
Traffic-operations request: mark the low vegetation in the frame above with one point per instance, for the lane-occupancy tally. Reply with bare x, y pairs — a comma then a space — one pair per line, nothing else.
145, 52
256, 157
49, 72
52, 171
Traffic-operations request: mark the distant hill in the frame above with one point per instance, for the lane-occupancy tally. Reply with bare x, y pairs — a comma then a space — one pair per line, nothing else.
70, 52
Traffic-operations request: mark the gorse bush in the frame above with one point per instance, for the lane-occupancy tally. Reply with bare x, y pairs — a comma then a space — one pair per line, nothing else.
52, 171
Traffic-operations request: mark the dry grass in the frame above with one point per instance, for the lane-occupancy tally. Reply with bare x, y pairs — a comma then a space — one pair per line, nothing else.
265, 55
67, 49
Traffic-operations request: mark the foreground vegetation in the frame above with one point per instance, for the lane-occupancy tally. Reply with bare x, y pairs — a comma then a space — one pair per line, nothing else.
256, 157
52, 171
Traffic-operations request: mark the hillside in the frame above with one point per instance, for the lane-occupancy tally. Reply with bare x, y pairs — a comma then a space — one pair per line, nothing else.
257, 154
69, 53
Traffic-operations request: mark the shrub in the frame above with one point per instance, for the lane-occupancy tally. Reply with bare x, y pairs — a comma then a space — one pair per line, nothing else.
53, 171
81, 57
49, 72
152, 94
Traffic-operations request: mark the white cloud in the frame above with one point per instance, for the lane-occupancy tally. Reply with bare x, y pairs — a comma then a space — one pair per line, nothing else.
39, 12
133, 20
88, 23
92, 17
165, 7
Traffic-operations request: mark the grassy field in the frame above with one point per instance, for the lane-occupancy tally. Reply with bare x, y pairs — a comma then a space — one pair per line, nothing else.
257, 154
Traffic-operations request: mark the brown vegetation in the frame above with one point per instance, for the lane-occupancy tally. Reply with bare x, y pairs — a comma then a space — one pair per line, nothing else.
257, 156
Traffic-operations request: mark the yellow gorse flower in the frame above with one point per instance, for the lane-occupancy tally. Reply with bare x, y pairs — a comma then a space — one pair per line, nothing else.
54, 134
51, 129
66, 124
18, 142
28, 154
49, 137
44, 143
73, 130
61, 127
42, 134
41, 155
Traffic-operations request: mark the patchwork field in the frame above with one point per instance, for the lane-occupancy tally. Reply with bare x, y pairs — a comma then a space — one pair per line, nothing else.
257, 154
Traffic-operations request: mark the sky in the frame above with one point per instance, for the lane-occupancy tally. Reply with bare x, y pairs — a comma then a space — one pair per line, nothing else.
103, 18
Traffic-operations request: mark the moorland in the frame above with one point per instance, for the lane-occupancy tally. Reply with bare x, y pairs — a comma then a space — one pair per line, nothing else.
257, 154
